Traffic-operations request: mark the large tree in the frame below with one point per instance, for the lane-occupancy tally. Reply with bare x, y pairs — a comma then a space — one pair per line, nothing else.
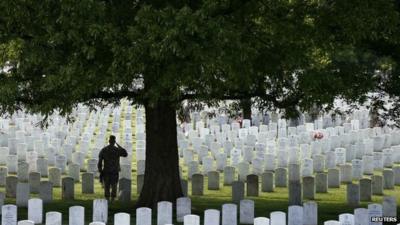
284, 54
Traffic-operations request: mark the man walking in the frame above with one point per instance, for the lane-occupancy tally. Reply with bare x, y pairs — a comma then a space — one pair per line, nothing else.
109, 170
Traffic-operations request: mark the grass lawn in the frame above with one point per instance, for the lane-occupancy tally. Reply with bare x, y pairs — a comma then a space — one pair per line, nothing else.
330, 205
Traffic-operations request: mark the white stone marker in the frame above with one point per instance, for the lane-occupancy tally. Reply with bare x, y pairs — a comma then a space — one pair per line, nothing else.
25, 222
373, 211
361, 216
357, 169
100, 210
211, 217
229, 214
261, 221
368, 164
122, 219
346, 219
340, 154
295, 215
53, 218
191, 220
143, 216
310, 213
22, 194
183, 208
9, 215
12, 163
389, 206
331, 222
76, 215
164, 213
278, 218
246, 211
2, 198
307, 168
35, 210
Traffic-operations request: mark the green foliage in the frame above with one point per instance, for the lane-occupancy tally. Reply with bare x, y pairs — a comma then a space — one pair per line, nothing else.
287, 54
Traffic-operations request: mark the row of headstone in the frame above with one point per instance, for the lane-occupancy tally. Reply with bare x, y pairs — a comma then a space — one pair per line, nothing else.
391, 177
25, 148
22, 191
280, 128
76, 214
298, 187
310, 167
306, 189
219, 116
348, 172
306, 213
251, 143
261, 159
215, 137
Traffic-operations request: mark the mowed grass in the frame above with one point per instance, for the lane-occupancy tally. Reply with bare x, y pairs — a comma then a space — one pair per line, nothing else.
330, 204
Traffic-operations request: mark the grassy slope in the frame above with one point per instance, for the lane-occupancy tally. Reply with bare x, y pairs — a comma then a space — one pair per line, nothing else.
330, 205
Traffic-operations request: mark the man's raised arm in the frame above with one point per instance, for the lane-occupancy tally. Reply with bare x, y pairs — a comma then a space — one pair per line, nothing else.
122, 152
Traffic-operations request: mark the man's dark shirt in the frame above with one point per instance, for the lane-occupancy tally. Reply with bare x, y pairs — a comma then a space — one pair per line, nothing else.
110, 154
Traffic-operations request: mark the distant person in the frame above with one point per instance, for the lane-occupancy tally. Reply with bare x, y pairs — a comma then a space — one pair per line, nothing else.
239, 119
265, 118
109, 170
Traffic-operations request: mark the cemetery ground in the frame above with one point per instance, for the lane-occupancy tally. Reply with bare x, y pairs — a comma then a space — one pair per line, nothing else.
330, 204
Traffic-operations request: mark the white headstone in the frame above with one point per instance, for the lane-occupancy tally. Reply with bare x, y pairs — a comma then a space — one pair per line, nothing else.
368, 164
164, 213
229, 214
295, 215
143, 216
307, 168
310, 213
23, 191
330, 160
9, 215
261, 221
361, 216
374, 210
53, 218
340, 154
269, 162
331, 222
122, 219
97, 223
211, 217
389, 206
183, 208
100, 210
35, 210
278, 218
25, 222
191, 220
346, 219
76, 215
357, 169
246, 211
378, 161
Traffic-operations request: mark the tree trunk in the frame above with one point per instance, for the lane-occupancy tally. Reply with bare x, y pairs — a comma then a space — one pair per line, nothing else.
161, 179
245, 104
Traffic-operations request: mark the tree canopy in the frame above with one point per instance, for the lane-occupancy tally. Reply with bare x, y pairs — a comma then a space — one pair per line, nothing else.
287, 54
284, 52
